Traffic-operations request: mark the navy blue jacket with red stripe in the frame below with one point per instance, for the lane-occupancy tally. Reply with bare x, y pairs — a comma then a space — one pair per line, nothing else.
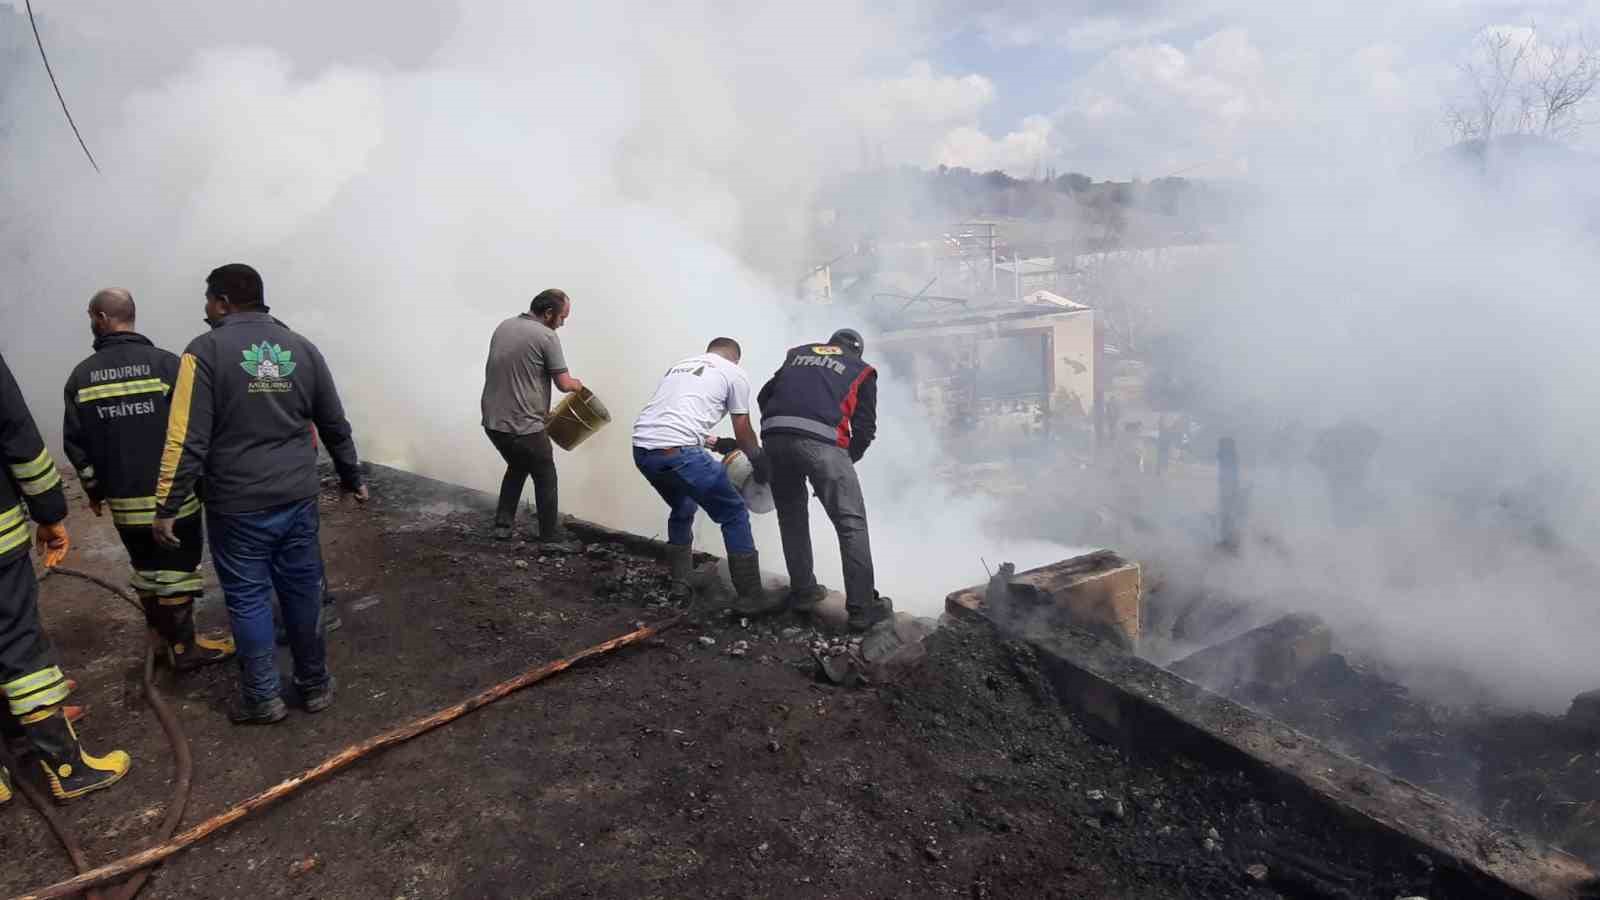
822, 391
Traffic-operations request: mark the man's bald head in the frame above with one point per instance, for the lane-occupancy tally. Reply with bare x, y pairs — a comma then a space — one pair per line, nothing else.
115, 304
110, 311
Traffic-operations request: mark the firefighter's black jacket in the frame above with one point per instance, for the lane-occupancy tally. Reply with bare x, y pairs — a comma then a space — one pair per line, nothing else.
823, 392
115, 423
31, 486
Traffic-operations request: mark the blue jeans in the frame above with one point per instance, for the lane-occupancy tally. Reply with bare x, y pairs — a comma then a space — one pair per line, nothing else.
690, 479
254, 554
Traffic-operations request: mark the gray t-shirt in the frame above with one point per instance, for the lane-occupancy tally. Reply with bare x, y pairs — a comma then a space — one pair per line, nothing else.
524, 355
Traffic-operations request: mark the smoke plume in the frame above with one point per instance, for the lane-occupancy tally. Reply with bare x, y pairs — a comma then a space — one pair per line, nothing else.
406, 177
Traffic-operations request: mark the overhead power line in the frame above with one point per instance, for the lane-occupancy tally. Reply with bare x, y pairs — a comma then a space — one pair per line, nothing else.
52, 74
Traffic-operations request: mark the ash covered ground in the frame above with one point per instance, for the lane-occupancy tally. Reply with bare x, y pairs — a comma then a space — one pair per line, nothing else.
711, 762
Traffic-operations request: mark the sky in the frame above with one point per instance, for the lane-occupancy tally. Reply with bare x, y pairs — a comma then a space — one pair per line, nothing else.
1209, 88
1114, 90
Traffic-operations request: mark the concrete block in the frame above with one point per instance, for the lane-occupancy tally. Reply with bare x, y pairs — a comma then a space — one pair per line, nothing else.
1272, 656
1099, 592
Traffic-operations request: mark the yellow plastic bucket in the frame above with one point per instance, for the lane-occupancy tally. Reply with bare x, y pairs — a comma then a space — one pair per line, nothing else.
575, 418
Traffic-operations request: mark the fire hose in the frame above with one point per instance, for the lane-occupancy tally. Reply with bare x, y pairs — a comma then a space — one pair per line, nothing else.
182, 759
343, 759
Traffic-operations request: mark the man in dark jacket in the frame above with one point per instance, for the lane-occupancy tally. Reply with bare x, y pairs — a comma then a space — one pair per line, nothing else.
113, 431
33, 685
819, 413
246, 397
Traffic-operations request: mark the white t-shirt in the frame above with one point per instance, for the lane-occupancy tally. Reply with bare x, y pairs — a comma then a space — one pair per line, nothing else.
693, 397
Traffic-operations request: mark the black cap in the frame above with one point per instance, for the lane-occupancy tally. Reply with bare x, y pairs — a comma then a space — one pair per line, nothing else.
849, 339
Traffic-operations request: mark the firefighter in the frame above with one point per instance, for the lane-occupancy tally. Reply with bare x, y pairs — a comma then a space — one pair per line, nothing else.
246, 397
819, 413
113, 432
30, 679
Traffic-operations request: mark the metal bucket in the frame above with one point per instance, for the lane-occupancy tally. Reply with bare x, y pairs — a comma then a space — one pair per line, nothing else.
578, 416
757, 497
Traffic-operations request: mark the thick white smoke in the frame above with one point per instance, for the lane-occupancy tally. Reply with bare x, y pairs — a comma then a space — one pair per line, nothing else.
1447, 305
406, 176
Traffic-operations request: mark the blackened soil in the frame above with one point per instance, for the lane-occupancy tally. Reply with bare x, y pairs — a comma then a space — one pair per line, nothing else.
673, 769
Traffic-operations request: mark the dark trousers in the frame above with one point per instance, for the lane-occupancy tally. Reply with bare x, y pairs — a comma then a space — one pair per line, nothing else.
525, 455
254, 554
796, 460
163, 571
28, 670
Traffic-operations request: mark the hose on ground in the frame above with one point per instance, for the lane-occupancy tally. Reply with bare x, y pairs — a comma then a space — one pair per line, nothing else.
40, 802
183, 760
344, 758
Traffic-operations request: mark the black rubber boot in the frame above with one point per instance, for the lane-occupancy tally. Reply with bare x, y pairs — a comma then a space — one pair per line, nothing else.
805, 601
186, 650
680, 559
68, 770
750, 596
882, 608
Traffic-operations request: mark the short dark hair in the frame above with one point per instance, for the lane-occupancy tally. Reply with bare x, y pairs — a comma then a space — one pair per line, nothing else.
725, 343
238, 283
548, 301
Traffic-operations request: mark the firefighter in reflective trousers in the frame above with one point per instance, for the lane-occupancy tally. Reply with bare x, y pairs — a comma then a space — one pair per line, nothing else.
114, 430
819, 413
33, 684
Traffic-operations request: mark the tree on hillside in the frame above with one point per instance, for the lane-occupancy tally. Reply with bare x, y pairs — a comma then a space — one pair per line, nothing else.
1514, 83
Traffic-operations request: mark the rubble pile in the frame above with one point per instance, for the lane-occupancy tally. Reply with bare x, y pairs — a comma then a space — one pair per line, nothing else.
1540, 774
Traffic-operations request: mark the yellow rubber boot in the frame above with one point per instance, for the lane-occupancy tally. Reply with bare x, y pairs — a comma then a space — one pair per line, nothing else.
68, 769
5, 786
189, 650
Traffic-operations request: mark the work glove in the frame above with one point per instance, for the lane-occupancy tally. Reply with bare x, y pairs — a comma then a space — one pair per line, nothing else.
724, 445
760, 466
53, 543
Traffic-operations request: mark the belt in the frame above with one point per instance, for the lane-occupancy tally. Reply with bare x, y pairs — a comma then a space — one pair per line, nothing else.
667, 451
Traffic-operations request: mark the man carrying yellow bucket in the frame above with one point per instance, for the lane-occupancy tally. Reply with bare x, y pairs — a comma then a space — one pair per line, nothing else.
525, 359
670, 439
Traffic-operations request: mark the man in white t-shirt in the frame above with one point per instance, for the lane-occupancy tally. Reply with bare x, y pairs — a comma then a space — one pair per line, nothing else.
670, 440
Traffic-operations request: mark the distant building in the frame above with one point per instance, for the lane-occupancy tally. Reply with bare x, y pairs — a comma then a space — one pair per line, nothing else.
997, 377
1016, 277
817, 285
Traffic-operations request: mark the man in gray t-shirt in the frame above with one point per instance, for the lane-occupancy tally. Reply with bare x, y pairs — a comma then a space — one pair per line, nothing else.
525, 359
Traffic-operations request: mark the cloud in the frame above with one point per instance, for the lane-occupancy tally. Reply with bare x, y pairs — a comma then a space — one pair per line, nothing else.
925, 118
921, 95
1151, 109
1091, 25
900, 118
1021, 152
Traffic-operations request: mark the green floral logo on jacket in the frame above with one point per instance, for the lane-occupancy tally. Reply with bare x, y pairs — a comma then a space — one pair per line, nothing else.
266, 360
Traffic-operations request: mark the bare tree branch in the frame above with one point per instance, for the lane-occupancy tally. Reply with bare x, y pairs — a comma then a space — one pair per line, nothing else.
1516, 84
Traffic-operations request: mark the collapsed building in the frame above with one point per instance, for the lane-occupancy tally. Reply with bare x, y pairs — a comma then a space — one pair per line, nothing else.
996, 378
